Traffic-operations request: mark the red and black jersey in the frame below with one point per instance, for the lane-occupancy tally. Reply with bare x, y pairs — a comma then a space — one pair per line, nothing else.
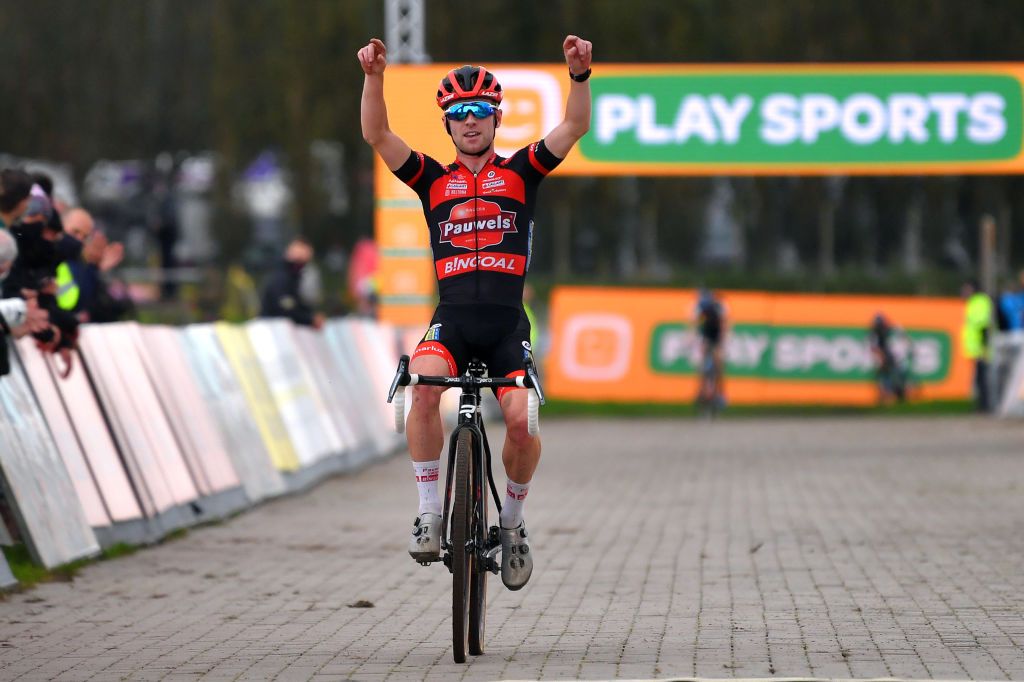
481, 225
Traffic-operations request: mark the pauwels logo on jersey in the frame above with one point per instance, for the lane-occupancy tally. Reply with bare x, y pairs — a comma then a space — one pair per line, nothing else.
476, 224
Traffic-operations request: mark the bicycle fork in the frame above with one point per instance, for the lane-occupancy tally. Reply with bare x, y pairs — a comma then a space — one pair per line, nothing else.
484, 543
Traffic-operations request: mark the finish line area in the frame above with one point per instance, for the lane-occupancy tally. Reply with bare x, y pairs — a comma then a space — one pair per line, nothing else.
669, 549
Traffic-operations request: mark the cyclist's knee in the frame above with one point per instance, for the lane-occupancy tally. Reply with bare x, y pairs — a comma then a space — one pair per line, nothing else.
519, 434
514, 408
426, 397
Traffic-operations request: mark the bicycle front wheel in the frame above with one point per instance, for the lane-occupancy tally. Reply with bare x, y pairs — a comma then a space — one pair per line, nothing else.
478, 580
461, 532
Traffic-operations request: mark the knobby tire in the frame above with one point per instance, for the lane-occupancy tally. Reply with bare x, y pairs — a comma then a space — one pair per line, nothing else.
478, 585
461, 529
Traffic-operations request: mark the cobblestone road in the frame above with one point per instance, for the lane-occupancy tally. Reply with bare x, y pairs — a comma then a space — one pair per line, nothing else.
849, 548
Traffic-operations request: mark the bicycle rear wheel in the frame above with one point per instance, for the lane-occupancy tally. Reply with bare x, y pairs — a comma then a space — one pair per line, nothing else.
462, 560
478, 580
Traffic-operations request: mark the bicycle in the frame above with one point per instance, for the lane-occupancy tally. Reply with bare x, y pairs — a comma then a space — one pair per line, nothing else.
468, 544
709, 397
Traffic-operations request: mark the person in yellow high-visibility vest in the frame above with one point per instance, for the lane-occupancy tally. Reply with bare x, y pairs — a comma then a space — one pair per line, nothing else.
67, 288
975, 338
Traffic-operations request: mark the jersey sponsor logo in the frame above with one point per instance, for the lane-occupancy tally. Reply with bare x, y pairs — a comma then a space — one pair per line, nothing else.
529, 246
432, 348
457, 186
433, 333
508, 263
476, 224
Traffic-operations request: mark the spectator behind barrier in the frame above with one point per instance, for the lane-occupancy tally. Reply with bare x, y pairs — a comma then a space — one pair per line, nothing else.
15, 187
18, 316
1011, 306
976, 338
98, 256
42, 247
282, 296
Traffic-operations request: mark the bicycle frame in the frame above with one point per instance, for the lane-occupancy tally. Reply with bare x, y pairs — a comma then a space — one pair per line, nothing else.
471, 382
469, 419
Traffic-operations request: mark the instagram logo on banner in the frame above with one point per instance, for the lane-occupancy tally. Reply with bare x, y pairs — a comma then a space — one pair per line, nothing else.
532, 106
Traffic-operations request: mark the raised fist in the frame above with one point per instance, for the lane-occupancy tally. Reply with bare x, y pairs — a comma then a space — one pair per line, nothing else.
578, 53
374, 57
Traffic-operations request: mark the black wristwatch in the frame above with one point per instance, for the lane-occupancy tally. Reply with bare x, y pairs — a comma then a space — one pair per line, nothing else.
581, 77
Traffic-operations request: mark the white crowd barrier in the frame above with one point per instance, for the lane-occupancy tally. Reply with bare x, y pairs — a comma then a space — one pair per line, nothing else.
89, 427
221, 391
1007, 376
299, 404
158, 428
37, 486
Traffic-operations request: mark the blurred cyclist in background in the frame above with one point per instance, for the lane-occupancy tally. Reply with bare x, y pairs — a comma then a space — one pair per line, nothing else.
710, 323
890, 373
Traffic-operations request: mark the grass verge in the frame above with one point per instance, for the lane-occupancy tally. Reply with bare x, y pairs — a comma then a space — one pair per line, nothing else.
30, 573
569, 408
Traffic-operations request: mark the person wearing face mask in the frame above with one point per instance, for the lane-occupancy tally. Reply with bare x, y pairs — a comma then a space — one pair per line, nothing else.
282, 296
67, 248
19, 313
41, 249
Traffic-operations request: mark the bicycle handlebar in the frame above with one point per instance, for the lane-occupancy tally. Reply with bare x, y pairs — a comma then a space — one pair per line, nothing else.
531, 380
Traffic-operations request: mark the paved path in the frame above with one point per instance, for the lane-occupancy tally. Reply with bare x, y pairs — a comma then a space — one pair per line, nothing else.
860, 547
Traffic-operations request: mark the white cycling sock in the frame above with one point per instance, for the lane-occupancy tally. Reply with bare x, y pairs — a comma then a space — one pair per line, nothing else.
512, 507
426, 484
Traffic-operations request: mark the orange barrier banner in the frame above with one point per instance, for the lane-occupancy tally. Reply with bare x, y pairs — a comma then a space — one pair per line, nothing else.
640, 345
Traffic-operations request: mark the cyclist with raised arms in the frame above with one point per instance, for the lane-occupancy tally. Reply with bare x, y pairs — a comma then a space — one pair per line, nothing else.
479, 212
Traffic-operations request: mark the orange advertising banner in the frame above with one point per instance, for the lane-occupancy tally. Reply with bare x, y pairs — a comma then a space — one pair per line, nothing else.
751, 119
701, 119
640, 345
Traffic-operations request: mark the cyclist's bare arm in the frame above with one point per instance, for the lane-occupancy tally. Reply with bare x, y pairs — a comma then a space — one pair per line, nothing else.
373, 113
577, 107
